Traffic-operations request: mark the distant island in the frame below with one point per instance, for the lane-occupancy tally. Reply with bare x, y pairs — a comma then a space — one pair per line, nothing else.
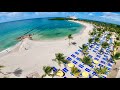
64, 18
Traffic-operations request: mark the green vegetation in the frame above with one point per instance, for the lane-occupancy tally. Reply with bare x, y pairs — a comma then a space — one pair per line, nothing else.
62, 18
84, 49
90, 40
116, 56
97, 39
102, 26
60, 59
100, 71
105, 45
47, 70
87, 60
75, 71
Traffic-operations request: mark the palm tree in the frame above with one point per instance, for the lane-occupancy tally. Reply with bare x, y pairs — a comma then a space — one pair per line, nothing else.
75, 71
116, 57
92, 33
105, 45
108, 36
47, 70
70, 37
90, 40
60, 59
99, 34
116, 44
100, 71
115, 47
97, 39
84, 49
87, 60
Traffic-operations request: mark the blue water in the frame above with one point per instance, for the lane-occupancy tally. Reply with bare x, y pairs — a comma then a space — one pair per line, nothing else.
42, 28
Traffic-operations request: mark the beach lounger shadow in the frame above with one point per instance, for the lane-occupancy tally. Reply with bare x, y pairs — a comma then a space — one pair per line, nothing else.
18, 72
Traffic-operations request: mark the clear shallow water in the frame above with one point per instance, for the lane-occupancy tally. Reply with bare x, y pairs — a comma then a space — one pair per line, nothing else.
41, 28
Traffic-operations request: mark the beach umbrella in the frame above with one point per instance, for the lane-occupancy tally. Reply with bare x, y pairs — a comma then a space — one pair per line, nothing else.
95, 61
70, 65
94, 77
115, 51
60, 73
85, 74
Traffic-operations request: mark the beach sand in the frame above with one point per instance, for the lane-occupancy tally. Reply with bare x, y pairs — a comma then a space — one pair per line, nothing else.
114, 73
33, 55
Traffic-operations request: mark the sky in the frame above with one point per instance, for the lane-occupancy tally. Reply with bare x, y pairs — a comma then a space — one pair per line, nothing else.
111, 17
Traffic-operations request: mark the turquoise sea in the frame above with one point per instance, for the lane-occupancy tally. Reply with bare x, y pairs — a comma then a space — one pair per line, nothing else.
42, 28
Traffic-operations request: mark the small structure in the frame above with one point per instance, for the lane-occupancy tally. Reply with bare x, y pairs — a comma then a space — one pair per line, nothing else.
72, 17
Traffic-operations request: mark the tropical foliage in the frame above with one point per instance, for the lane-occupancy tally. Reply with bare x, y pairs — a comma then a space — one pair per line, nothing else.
100, 70
75, 71
105, 45
117, 56
47, 70
97, 39
60, 59
84, 49
87, 60
90, 40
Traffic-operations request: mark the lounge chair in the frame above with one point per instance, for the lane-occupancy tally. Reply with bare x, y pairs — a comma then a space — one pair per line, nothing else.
100, 65
78, 58
96, 58
64, 77
77, 53
54, 69
94, 51
65, 70
81, 66
69, 59
73, 56
80, 50
88, 70
91, 66
74, 62
109, 65
105, 59
102, 62
94, 73
106, 56
90, 56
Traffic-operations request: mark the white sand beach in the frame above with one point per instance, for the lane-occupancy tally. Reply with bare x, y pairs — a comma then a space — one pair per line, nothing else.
32, 55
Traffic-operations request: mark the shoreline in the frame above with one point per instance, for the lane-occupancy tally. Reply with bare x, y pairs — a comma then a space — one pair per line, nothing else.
41, 53
9, 49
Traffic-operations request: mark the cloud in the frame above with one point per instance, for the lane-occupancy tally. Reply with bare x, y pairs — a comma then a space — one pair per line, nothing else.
91, 14
14, 14
111, 16
100, 16
43, 14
